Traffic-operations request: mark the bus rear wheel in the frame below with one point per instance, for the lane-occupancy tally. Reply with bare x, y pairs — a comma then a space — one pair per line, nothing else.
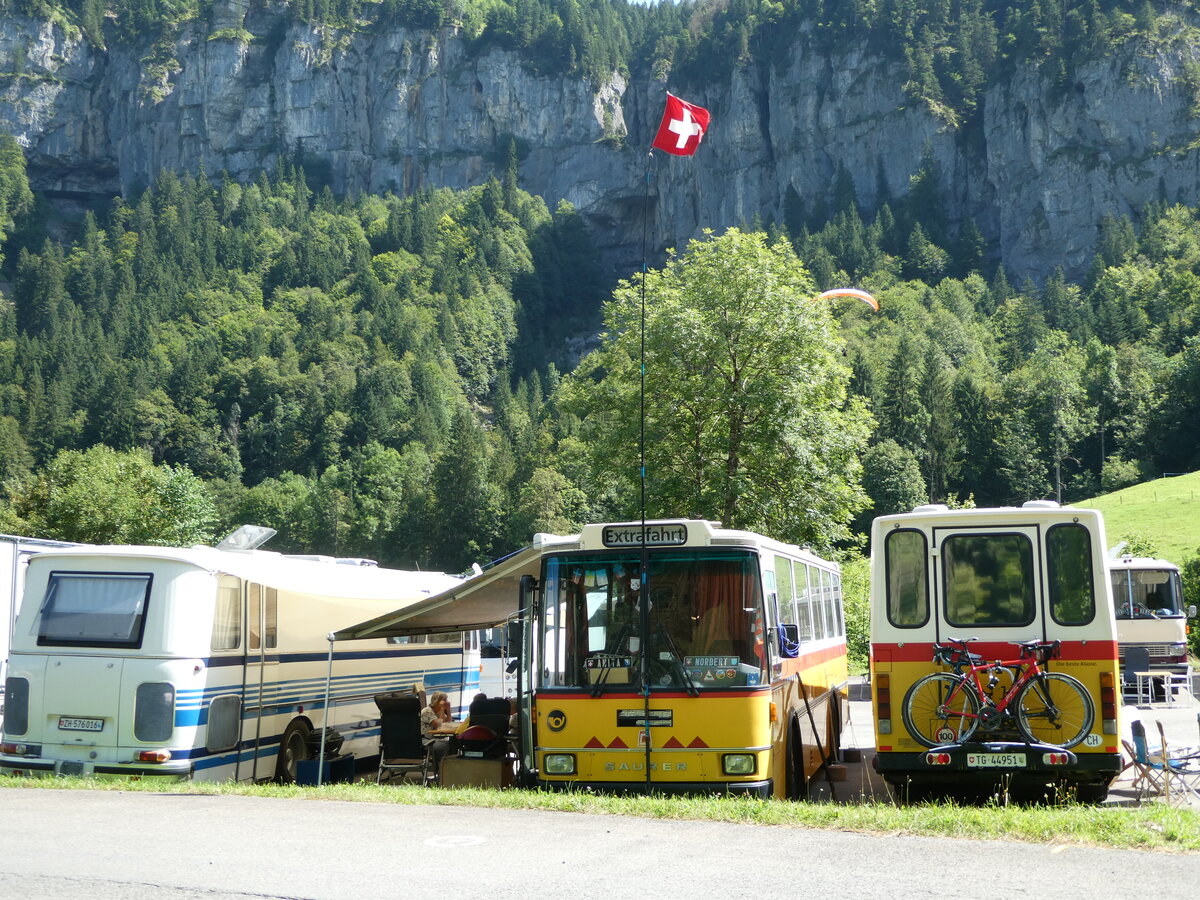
292, 749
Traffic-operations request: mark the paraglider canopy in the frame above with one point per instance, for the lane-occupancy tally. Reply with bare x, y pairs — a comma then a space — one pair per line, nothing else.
851, 292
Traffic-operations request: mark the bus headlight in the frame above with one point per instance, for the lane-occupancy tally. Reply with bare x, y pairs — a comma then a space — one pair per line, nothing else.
559, 764
739, 763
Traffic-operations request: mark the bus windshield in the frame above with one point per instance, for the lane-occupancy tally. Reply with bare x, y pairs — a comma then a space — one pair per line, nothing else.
705, 623
1146, 593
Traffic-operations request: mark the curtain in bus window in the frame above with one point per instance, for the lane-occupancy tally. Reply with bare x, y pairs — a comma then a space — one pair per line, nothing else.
88, 609
989, 579
905, 554
254, 616
1069, 562
725, 597
271, 619
227, 617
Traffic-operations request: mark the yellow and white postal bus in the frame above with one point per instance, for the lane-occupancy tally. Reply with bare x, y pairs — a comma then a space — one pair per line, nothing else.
202, 663
977, 584
724, 672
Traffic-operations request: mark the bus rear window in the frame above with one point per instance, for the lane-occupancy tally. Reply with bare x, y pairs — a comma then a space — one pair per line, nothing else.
989, 579
907, 588
1069, 561
94, 609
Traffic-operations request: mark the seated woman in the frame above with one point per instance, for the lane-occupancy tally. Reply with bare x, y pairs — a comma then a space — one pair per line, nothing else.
435, 716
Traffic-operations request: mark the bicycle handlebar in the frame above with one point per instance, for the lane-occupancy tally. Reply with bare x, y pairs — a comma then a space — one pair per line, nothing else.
955, 653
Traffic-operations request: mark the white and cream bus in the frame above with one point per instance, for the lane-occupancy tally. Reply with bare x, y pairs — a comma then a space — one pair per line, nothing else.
1151, 614
205, 663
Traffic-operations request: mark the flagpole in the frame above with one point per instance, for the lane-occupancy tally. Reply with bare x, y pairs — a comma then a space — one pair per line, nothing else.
644, 573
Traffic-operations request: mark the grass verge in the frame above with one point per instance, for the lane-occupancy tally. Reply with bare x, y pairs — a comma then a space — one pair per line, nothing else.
1150, 827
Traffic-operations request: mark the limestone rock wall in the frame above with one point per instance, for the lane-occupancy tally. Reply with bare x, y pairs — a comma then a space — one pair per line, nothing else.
396, 109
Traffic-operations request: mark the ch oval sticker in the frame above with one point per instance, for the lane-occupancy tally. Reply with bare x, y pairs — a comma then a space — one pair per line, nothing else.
1093, 740
556, 720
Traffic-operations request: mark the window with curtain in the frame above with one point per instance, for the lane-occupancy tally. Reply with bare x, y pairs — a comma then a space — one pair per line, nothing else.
705, 620
94, 609
227, 617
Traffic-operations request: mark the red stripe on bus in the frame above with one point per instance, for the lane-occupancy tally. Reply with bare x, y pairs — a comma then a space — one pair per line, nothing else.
922, 651
552, 695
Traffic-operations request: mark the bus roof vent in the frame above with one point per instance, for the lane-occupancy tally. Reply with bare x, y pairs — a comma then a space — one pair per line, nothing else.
1040, 504
931, 508
247, 537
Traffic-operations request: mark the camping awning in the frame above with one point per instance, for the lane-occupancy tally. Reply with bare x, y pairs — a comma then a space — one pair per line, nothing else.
481, 601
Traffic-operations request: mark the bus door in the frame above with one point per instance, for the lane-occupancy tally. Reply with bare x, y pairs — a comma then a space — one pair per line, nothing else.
258, 676
904, 619
987, 581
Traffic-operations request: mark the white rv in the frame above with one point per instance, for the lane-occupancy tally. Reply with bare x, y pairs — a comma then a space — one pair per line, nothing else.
204, 663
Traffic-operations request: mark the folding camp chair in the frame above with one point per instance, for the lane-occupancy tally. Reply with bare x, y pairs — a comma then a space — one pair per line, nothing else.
1147, 779
402, 749
1181, 771
1173, 778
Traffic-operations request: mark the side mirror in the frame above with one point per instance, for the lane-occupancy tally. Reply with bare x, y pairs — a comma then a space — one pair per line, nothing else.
1191, 611
789, 641
514, 631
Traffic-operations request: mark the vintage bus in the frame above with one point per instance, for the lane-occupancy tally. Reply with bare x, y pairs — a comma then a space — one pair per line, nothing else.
14, 554
998, 576
204, 663
725, 672
1151, 614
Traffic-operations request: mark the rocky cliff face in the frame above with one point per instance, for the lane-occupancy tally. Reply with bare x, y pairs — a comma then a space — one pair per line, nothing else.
399, 109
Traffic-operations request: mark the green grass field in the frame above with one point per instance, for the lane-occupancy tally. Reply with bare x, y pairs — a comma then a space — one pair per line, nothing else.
1153, 826
1165, 512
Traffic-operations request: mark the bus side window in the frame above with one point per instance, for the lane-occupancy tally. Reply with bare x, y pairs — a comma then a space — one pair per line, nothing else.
905, 553
227, 616
837, 605
804, 601
271, 619
254, 616
816, 601
1069, 562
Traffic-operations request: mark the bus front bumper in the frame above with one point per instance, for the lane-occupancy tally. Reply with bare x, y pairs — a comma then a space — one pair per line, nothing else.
760, 789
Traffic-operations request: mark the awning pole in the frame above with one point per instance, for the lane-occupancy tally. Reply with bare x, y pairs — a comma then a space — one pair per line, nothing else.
325, 722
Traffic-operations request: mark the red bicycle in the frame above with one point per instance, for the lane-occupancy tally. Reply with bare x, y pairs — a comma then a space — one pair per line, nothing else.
1046, 707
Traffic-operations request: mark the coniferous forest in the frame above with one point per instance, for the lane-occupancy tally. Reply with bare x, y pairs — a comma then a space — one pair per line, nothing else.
390, 377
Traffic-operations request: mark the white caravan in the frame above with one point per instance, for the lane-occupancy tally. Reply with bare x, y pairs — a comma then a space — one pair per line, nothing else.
14, 554
204, 663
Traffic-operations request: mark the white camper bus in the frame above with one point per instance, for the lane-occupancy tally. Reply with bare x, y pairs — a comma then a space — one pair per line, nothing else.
203, 663
14, 554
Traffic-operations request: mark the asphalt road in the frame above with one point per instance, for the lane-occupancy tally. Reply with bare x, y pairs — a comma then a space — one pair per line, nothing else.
116, 845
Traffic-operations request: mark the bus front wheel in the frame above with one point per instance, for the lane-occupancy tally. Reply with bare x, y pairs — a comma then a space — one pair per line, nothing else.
292, 749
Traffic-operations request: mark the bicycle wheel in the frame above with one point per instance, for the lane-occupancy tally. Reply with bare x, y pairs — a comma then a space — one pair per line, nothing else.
941, 709
1055, 709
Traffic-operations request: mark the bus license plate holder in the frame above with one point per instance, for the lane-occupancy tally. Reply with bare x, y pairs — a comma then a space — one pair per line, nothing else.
996, 760
79, 723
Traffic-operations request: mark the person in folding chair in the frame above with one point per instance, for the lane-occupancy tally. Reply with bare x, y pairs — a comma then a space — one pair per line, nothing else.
402, 746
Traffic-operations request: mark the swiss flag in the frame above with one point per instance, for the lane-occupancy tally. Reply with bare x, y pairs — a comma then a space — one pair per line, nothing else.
682, 127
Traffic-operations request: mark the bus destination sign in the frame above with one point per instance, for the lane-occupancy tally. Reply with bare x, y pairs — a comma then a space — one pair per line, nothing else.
657, 535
